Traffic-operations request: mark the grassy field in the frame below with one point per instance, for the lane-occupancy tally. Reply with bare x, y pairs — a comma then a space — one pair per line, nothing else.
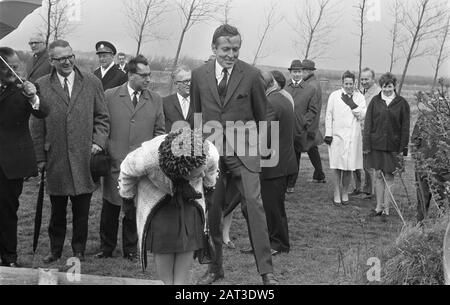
329, 245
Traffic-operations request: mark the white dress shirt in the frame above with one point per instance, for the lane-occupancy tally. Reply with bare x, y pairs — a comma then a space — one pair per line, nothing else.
70, 81
104, 71
184, 103
131, 92
219, 73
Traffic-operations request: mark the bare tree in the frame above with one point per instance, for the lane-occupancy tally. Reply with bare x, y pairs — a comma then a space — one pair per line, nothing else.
443, 53
193, 12
362, 10
423, 20
143, 18
57, 24
395, 33
315, 22
270, 22
226, 11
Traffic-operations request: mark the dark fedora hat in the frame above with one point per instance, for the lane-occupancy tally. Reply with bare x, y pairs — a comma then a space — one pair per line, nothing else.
296, 65
105, 47
308, 65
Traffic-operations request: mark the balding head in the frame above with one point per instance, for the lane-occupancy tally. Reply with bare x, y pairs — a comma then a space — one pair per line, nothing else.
37, 43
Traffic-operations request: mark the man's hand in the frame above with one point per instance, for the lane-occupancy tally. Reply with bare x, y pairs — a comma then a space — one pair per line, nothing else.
29, 89
328, 140
349, 101
96, 149
41, 166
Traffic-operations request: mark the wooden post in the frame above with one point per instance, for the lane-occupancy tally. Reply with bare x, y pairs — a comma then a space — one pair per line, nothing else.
24, 276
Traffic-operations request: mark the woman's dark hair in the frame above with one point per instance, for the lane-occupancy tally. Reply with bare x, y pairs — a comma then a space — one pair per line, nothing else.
133, 63
180, 152
387, 79
348, 74
279, 77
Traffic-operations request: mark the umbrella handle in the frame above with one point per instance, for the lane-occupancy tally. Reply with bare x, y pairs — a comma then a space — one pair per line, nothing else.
11, 69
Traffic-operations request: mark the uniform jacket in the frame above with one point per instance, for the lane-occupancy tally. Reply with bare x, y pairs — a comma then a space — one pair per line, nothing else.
245, 101
141, 178
113, 78
38, 66
174, 113
279, 109
307, 109
17, 157
129, 128
64, 139
387, 127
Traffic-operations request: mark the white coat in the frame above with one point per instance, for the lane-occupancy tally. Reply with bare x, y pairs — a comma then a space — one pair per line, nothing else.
344, 125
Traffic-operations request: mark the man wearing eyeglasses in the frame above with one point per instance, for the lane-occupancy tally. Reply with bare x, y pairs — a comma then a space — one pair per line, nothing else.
178, 110
17, 158
136, 116
109, 73
76, 129
39, 65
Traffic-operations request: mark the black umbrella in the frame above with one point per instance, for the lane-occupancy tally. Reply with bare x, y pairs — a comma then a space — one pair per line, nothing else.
38, 216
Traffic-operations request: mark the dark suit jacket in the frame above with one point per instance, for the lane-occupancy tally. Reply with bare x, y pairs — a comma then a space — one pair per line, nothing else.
245, 101
307, 110
38, 66
279, 109
174, 113
113, 78
17, 156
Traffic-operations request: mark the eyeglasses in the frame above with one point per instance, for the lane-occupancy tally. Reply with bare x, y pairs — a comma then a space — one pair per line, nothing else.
62, 60
144, 75
186, 82
35, 42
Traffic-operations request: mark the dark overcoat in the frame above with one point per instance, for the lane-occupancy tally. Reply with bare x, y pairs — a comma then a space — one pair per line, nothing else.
115, 77
38, 66
65, 138
173, 112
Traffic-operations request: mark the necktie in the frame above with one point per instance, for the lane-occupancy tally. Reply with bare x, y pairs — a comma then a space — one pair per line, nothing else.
222, 88
184, 107
135, 99
66, 88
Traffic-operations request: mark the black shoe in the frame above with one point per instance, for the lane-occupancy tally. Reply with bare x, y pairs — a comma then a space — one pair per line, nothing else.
51, 258
210, 277
247, 251
103, 254
80, 256
269, 279
12, 265
130, 256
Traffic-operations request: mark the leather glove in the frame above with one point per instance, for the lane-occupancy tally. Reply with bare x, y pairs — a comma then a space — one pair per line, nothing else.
328, 140
349, 101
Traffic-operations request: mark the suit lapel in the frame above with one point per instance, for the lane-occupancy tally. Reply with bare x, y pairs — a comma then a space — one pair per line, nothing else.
235, 79
109, 75
176, 104
144, 98
76, 90
125, 97
56, 86
190, 112
212, 81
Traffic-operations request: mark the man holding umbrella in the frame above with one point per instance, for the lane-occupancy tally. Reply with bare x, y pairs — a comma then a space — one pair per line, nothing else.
17, 158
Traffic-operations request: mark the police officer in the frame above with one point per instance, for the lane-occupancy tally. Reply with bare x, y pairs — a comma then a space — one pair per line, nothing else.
109, 73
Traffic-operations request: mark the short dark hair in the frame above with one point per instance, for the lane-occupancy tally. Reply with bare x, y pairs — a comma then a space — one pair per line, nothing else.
387, 79
225, 30
369, 70
133, 63
279, 77
6, 52
348, 74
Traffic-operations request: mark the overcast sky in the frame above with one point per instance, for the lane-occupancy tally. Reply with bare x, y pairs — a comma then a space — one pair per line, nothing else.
104, 20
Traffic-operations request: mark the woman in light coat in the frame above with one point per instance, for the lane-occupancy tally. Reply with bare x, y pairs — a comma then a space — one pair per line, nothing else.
345, 111
167, 187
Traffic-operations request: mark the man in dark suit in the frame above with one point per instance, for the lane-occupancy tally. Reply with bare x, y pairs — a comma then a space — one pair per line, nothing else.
39, 65
109, 73
178, 109
226, 91
274, 179
136, 116
123, 65
17, 157
307, 110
